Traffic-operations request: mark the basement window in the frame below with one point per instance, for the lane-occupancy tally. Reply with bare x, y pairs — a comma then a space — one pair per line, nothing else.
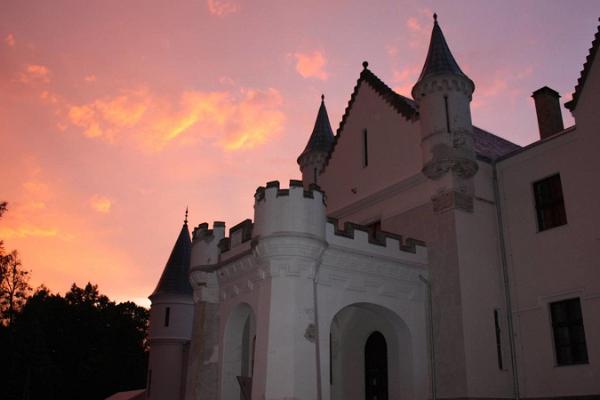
569, 335
549, 203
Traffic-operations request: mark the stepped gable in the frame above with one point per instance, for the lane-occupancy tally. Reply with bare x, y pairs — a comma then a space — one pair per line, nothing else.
572, 104
377, 238
174, 279
321, 138
439, 57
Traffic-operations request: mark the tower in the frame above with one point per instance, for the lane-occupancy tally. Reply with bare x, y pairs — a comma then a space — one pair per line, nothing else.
443, 93
313, 158
171, 316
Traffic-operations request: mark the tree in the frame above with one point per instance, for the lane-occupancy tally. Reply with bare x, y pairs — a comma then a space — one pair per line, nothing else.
14, 286
14, 281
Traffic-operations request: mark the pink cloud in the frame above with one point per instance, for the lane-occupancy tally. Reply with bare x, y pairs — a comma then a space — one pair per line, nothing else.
311, 65
228, 119
10, 40
405, 78
101, 204
90, 78
222, 7
34, 73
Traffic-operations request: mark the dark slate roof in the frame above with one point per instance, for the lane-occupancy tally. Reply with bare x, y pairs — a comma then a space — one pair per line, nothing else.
570, 105
439, 57
174, 279
321, 138
489, 146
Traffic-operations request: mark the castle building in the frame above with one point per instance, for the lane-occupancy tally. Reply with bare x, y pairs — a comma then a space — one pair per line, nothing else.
419, 257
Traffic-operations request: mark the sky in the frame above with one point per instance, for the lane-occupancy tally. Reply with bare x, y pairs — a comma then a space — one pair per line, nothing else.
118, 114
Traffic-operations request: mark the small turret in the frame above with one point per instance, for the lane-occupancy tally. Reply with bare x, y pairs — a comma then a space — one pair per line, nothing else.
444, 93
317, 149
171, 317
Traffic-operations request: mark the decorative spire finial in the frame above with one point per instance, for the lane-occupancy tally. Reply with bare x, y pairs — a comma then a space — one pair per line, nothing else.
435, 18
365, 64
322, 98
185, 221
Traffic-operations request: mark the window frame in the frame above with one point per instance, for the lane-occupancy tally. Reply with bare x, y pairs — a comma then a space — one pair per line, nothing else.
541, 204
569, 324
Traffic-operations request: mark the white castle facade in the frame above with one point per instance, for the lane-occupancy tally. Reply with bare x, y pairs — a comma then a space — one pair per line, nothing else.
419, 257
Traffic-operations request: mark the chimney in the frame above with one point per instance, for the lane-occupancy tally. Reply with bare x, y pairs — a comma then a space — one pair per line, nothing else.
547, 108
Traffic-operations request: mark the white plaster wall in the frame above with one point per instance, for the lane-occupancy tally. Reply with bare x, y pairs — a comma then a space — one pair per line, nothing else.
554, 264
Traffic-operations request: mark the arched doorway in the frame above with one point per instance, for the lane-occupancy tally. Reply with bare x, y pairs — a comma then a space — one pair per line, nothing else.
376, 368
370, 354
238, 354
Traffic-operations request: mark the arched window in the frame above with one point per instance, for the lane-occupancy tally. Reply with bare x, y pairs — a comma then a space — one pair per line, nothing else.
376, 371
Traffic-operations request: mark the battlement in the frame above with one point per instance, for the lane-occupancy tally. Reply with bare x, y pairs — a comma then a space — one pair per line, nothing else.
201, 232
362, 233
238, 234
296, 189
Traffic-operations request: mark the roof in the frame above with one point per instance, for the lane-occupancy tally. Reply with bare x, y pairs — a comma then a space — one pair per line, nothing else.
321, 138
570, 105
439, 57
174, 279
487, 145
491, 147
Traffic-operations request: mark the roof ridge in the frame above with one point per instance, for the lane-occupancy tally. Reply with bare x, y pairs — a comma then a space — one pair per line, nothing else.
589, 59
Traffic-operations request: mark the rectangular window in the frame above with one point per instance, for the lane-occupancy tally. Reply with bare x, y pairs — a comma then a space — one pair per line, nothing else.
167, 316
549, 203
569, 335
498, 340
365, 149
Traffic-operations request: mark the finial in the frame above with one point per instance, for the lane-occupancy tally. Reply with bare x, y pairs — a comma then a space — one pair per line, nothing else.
185, 221
365, 64
435, 18
322, 98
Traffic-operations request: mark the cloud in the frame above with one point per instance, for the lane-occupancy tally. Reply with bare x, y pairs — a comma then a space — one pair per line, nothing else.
222, 7
414, 25
90, 78
10, 40
231, 120
27, 231
501, 84
405, 78
101, 204
311, 65
34, 74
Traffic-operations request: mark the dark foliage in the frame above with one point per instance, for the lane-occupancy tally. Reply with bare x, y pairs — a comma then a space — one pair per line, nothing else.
80, 346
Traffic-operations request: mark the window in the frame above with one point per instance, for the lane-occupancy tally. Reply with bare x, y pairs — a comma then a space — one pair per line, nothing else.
569, 335
167, 316
498, 340
549, 203
365, 149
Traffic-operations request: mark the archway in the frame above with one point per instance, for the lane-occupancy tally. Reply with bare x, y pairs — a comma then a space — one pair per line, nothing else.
370, 341
238, 354
376, 368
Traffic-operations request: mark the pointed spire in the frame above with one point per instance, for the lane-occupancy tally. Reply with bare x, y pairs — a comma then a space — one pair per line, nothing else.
185, 221
439, 57
321, 138
174, 279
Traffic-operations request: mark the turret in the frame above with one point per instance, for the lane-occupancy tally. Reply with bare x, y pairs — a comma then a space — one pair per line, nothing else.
312, 160
171, 316
444, 93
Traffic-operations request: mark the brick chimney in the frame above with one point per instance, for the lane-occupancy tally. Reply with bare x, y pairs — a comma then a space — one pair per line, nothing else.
547, 108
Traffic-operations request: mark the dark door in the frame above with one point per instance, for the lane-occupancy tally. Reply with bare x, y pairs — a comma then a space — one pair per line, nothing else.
376, 372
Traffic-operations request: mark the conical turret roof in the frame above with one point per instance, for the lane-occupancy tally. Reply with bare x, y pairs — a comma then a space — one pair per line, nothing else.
174, 279
321, 138
439, 57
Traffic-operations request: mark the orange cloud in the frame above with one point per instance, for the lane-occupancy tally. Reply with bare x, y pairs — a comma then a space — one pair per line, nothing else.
222, 7
27, 231
231, 121
101, 204
311, 65
10, 40
90, 78
35, 74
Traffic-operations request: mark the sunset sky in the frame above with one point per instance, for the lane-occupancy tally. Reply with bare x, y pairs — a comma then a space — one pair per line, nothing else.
117, 114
